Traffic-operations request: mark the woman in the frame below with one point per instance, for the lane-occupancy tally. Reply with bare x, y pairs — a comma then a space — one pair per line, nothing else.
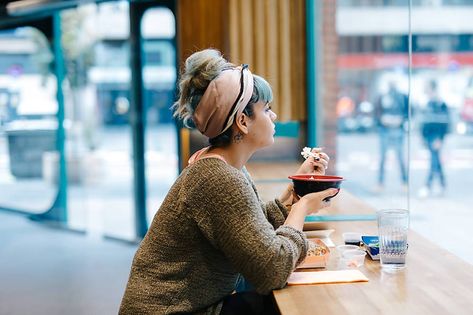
212, 227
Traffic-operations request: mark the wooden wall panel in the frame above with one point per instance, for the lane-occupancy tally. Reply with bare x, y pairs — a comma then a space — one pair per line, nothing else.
271, 72
298, 50
202, 24
285, 43
269, 35
259, 38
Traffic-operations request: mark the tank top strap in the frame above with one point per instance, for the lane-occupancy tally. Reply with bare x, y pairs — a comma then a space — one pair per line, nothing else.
200, 155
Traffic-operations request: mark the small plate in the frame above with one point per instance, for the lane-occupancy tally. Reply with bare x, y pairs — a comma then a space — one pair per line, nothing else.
319, 233
316, 261
323, 235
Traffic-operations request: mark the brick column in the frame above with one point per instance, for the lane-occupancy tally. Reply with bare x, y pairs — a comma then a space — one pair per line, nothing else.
328, 81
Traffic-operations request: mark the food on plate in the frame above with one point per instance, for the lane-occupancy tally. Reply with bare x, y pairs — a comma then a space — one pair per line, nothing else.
316, 249
317, 255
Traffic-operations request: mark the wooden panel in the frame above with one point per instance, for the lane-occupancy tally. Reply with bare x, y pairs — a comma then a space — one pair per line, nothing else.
285, 60
298, 50
246, 32
272, 52
233, 30
202, 24
270, 37
259, 39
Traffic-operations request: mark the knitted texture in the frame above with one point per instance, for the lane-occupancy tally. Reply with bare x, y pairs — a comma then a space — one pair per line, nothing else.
211, 227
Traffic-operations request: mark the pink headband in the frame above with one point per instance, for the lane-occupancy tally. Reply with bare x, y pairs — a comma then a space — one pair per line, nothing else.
225, 98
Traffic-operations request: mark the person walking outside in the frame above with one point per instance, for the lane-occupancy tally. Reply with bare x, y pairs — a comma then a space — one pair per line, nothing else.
435, 126
391, 112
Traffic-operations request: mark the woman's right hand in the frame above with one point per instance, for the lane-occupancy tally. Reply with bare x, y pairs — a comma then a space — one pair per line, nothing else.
313, 202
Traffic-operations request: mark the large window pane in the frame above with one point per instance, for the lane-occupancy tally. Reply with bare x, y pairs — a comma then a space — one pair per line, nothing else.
442, 135
98, 149
373, 59
372, 103
159, 76
28, 122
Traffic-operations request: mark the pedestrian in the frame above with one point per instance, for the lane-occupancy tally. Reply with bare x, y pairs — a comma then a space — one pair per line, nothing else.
435, 126
212, 228
391, 113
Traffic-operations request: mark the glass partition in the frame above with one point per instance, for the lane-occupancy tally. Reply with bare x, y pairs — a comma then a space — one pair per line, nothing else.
442, 124
159, 76
372, 104
98, 138
405, 121
28, 123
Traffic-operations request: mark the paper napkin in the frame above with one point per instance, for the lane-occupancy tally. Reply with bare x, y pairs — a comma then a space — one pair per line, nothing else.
318, 277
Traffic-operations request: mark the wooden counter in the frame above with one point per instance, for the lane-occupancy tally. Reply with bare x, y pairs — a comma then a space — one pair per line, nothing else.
434, 281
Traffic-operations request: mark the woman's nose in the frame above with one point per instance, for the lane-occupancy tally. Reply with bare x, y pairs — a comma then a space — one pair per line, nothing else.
273, 116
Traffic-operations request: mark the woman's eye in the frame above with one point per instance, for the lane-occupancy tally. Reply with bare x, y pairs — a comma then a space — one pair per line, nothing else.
268, 108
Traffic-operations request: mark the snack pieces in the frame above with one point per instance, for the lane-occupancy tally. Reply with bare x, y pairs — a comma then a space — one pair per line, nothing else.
317, 255
315, 249
307, 152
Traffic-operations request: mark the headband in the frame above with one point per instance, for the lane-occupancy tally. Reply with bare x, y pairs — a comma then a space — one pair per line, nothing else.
225, 98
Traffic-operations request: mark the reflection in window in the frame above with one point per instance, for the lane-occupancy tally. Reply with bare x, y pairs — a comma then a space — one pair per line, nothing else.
373, 76
28, 163
159, 76
99, 149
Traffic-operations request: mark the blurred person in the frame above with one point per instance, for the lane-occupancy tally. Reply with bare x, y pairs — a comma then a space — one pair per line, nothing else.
391, 114
212, 228
435, 126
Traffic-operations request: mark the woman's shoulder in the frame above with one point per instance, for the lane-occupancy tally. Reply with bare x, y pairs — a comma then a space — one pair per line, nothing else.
215, 170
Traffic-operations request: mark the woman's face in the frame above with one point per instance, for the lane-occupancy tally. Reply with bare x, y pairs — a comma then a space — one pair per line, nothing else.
261, 126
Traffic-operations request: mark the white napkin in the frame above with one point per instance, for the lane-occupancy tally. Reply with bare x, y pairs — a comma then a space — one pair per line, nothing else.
318, 277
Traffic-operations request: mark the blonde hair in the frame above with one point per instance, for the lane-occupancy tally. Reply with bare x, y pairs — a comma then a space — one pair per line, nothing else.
200, 68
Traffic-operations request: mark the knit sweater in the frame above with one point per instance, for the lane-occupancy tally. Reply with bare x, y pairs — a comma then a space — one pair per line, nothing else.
211, 227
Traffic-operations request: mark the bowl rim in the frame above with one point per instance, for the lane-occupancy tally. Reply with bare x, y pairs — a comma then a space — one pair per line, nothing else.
316, 178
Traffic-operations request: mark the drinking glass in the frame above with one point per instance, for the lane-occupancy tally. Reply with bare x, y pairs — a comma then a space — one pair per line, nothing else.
393, 226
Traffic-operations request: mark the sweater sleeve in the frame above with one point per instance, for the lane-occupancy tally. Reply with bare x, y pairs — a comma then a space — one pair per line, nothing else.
274, 210
230, 215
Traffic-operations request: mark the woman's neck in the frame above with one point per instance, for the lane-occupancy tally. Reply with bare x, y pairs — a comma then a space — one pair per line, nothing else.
235, 154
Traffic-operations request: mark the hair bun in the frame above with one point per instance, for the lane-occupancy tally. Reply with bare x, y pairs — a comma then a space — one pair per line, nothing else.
199, 69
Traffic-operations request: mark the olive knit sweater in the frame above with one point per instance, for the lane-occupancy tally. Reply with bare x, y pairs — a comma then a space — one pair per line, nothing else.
211, 227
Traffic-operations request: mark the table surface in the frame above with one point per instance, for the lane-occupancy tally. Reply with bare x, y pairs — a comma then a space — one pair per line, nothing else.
434, 281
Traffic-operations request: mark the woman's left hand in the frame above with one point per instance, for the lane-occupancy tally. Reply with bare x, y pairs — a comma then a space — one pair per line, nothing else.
315, 165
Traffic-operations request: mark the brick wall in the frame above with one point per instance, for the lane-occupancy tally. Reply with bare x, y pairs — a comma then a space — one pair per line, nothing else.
328, 82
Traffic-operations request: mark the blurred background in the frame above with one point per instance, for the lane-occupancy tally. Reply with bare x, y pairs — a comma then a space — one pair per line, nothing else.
89, 148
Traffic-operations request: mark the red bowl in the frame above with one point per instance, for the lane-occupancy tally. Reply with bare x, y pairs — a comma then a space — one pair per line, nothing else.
306, 184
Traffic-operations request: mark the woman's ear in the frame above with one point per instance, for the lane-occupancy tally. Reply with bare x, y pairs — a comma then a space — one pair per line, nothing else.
242, 123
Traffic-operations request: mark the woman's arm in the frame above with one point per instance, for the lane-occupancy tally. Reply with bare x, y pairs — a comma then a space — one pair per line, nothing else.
275, 211
308, 204
230, 216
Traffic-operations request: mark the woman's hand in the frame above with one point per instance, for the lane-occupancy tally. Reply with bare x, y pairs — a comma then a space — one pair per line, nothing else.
308, 204
289, 196
315, 165
313, 202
